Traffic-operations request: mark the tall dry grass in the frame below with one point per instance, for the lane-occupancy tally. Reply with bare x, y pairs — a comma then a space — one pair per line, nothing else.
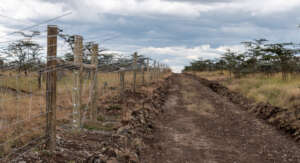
261, 88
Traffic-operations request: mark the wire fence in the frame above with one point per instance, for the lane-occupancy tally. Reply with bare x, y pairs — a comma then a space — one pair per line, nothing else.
57, 92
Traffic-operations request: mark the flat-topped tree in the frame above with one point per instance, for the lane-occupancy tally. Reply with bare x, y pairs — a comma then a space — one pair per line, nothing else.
253, 53
283, 54
24, 54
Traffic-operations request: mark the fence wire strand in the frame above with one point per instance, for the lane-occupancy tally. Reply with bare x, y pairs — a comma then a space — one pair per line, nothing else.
23, 89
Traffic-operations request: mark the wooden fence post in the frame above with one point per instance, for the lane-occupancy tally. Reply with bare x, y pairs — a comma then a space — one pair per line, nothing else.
143, 75
135, 55
148, 68
94, 82
40, 79
156, 72
77, 111
51, 87
159, 70
122, 82
153, 71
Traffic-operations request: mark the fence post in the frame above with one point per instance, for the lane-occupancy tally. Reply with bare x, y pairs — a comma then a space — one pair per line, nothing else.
94, 77
78, 49
51, 87
159, 73
153, 71
40, 79
148, 67
122, 82
135, 55
143, 75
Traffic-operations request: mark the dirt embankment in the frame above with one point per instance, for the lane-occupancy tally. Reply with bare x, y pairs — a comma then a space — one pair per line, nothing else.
287, 120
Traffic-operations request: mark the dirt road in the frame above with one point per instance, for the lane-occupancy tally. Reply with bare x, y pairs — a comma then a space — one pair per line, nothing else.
201, 126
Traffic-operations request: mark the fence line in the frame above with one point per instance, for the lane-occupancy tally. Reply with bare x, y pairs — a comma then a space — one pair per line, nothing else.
62, 93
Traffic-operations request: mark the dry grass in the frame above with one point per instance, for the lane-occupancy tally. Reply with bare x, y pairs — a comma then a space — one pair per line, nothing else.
22, 103
190, 95
213, 75
262, 89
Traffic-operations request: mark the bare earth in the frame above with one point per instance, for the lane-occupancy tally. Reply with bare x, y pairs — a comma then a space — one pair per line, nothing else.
200, 126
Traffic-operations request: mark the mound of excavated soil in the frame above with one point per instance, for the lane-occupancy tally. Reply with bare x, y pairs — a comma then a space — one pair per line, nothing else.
119, 135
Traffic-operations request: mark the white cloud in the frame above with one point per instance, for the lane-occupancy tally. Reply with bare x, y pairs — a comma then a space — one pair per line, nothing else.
269, 6
204, 51
179, 56
256, 7
185, 9
31, 9
93, 10
4, 30
177, 69
145, 7
90, 9
235, 48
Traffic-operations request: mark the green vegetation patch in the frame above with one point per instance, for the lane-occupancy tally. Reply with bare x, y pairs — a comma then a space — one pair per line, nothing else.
98, 126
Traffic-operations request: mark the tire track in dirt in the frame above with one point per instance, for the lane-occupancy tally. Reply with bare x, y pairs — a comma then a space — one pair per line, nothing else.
201, 126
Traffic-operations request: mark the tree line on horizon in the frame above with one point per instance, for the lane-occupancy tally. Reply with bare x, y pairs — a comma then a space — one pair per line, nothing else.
26, 55
259, 57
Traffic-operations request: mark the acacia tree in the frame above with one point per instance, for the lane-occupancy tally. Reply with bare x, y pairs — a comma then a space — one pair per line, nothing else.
283, 55
221, 65
24, 54
231, 62
253, 54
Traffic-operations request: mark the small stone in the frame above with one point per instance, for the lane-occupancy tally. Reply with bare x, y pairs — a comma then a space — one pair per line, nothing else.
123, 130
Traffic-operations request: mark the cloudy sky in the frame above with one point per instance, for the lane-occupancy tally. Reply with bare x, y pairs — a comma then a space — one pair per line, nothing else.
172, 31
